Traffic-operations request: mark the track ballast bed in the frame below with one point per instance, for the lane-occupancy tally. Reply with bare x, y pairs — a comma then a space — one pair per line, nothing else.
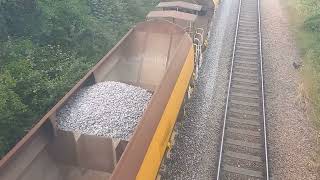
243, 151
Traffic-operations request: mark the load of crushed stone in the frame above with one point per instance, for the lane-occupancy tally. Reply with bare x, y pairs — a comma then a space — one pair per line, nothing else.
110, 109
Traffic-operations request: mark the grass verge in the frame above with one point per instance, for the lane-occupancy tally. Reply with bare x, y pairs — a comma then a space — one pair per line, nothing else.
305, 24
304, 16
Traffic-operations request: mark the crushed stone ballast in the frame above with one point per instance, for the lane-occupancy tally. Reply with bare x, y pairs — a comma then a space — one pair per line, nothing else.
110, 109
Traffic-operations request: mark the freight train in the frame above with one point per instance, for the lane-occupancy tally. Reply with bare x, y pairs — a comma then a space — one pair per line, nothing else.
161, 55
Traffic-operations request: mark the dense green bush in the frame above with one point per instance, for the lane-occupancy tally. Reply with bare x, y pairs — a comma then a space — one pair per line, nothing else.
46, 46
313, 23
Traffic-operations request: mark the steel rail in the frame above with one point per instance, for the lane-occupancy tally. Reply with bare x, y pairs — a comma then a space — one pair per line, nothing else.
261, 78
228, 94
262, 89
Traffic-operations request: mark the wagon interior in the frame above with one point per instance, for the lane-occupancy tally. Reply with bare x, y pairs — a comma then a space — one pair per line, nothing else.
141, 58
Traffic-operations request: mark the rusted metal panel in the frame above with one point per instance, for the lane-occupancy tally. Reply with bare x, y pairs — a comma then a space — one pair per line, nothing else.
202, 20
172, 14
142, 58
204, 3
180, 4
63, 146
132, 158
22, 160
95, 153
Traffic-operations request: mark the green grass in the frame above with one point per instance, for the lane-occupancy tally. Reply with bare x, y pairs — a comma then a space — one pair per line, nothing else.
305, 24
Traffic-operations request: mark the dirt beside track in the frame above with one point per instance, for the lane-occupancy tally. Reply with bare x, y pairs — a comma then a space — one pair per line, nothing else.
292, 138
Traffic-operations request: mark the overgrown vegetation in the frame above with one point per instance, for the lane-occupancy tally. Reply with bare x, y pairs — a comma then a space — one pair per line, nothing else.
46, 46
305, 18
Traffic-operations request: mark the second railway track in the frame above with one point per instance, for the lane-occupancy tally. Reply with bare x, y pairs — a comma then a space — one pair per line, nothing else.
243, 151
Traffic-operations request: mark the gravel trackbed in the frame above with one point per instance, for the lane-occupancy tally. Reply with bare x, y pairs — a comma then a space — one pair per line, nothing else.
292, 140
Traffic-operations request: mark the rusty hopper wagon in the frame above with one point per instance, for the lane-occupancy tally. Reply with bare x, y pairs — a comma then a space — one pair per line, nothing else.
199, 16
203, 9
194, 16
156, 55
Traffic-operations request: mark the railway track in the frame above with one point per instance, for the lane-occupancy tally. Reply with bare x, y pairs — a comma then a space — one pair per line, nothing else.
243, 151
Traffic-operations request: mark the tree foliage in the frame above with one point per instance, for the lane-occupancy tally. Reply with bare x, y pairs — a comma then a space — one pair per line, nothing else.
47, 46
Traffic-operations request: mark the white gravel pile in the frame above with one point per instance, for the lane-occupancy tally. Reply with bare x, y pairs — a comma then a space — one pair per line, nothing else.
110, 109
